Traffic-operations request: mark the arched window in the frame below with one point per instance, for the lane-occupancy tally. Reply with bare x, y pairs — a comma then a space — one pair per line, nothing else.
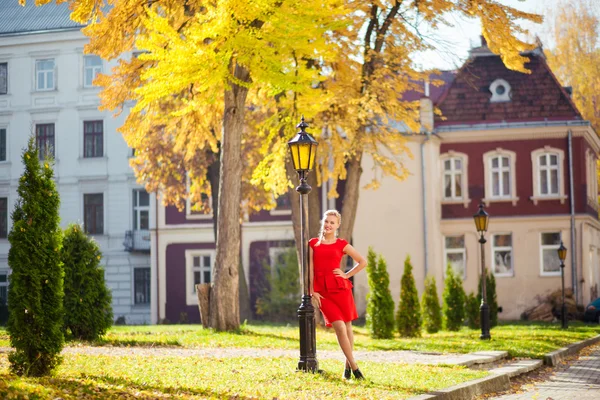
454, 178
547, 173
500, 182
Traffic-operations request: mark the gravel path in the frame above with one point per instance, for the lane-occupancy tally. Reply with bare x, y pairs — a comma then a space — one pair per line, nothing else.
410, 357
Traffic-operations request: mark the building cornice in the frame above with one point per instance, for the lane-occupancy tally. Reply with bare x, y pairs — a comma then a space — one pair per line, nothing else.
509, 133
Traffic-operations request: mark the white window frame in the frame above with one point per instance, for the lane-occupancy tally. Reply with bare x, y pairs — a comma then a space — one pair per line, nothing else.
188, 206
96, 69
5, 128
8, 217
137, 208
190, 289
7, 78
274, 252
46, 73
276, 211
104, 211
462, 251
5, 284
548, 247
591, 163
503, 248
487, 165
133, 286
464, 158
537, 170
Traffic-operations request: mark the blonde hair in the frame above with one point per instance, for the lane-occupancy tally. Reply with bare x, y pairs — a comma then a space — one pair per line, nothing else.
325, 215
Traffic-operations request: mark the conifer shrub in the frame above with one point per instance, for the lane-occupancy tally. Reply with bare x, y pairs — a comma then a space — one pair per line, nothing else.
408, 317
430, 306
492, 299
88, 308
280, 300
35, 291
454, 301
472, 304
380, 304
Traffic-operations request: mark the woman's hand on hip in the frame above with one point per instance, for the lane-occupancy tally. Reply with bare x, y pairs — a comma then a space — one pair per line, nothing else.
316, 300
340, 273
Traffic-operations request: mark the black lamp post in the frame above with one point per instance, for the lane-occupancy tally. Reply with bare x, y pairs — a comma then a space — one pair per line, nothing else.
303, 149
562, 255
481, 223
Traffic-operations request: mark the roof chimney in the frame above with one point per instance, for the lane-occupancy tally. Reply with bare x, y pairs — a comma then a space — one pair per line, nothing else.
483, 41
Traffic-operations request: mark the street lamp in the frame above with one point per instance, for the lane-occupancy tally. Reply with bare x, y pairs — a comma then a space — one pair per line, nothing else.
303, 149
481, 223
562, 255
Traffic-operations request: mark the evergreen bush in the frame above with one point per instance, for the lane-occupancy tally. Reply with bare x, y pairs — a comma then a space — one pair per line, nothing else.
380, 304
454, 301
35, 291
430, 306
492, 299
88, 308
281, 302
408, 318
472, 304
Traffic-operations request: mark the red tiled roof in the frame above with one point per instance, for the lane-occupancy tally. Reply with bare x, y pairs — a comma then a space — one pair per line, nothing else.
435, 92
536, 96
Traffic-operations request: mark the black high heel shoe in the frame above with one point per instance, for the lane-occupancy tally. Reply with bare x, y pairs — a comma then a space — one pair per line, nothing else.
357, 374
347, 373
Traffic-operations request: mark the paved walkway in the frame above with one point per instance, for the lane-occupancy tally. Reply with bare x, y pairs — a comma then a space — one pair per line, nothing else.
579, 381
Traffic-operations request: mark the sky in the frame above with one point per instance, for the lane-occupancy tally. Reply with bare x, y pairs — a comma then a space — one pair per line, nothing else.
457, 40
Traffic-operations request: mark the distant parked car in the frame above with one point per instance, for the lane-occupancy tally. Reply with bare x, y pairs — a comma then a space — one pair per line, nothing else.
592, 311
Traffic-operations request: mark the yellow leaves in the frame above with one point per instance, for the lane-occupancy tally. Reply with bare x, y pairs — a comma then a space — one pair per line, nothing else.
574, 56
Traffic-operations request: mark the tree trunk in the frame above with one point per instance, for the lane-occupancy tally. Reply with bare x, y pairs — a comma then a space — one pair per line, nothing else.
224, 305
203, 293
314, 206
214, 175
351, 192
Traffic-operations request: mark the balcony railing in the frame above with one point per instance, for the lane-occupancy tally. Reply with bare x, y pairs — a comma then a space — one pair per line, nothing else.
138, 240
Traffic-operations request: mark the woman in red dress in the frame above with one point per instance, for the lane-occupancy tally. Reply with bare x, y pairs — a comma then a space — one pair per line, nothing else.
331, 290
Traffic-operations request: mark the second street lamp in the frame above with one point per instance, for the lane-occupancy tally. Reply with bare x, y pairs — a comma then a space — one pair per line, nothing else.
481, 219
562, 255
303, 149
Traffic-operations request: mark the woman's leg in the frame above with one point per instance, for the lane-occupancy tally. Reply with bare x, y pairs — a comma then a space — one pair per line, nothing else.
350, 338
341, 332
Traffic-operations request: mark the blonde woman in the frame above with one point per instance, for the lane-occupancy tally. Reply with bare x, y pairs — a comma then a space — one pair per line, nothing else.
330, 288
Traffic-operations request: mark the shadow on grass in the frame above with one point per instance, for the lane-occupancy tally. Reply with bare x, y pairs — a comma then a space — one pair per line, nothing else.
118, 388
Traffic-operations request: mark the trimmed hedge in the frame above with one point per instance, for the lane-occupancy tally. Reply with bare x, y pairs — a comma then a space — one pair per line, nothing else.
380, 304
454, 301
430, 307
35, 291
408, 318
88, 308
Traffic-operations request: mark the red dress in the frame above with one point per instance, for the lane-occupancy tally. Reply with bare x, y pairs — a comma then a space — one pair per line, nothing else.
337, 302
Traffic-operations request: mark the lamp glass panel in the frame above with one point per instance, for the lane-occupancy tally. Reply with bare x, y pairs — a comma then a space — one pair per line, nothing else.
304, 156
295, 155
313, 155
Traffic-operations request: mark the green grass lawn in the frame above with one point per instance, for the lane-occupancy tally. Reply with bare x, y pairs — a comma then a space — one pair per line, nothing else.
518, 338
531, 340
154, 377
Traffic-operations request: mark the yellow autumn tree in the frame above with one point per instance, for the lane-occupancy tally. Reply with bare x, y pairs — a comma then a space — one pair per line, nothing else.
574, 55
188, 88
365, 83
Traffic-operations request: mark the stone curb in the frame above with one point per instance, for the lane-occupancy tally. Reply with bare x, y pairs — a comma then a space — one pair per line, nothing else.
489, 384
499, 378
484, 357
552, 359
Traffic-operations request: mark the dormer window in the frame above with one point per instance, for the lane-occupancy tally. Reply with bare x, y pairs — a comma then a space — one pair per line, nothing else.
500, 91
